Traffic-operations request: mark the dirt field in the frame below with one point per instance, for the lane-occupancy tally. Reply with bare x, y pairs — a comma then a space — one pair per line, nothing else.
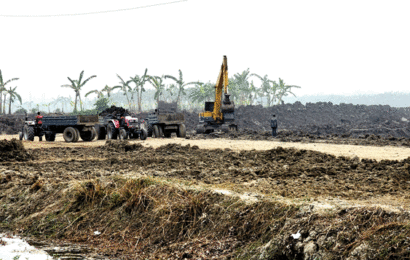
367, 152
203, 199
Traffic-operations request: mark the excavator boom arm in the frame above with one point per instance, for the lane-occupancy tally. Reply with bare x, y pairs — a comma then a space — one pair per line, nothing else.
221, 82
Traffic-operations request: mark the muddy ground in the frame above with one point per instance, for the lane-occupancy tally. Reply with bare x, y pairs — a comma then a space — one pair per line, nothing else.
182, 202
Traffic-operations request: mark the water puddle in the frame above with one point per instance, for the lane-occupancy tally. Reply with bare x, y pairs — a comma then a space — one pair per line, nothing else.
14, 248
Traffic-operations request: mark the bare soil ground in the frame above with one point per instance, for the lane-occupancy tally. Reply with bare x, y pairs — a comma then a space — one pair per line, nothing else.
208, 198
361, 151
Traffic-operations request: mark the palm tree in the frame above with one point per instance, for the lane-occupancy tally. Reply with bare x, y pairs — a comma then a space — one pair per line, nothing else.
266, 89
180, 84
100, 94
157, 83
76, 85
108, 90
3, 88
63, 101
202, 92
139, 86
125, 87
241, 88
284, 90
12, 95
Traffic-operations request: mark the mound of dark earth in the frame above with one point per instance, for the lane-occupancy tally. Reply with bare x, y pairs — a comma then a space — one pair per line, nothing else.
115, 111
121, 146
13, 150
321, 119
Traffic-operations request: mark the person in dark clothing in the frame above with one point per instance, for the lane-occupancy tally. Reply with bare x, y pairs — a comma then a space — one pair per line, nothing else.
274, 125
38, 118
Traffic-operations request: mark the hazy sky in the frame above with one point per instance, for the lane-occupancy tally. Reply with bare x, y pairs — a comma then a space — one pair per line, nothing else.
327, 47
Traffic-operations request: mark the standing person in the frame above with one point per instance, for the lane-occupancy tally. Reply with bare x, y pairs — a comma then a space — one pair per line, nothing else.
274, 125
38, 118
39, 123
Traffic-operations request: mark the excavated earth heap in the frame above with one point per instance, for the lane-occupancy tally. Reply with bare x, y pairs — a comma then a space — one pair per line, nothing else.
13, 150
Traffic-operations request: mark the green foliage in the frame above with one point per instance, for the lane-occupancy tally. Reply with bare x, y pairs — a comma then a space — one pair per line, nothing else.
101, 104
21, 110
76, 85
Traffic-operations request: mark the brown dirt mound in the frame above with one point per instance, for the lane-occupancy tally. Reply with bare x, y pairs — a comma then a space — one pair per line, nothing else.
13, 150
121, 146
171, 211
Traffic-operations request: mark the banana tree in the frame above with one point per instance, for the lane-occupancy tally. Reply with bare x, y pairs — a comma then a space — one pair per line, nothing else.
202, 92
139, 86
13, 95
284, 90
125, 87
266, 90
99, 93
76, 85
157, 83
180, 84
2, 89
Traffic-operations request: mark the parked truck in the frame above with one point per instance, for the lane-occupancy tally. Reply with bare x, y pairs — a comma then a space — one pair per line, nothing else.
72, 128
166, 120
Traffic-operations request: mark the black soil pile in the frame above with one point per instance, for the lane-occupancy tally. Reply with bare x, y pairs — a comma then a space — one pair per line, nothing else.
121, 146
13, 150
321, 119
11, 124
115, 111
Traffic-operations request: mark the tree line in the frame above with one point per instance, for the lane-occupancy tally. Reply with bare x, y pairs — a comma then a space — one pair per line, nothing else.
188, 95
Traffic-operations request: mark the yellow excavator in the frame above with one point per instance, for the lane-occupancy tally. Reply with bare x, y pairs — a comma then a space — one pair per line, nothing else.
219, 115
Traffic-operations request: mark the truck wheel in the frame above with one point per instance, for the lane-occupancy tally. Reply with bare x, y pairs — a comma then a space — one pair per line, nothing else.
155, 131
200, 129
20, 136
181, 131
50, 137
87, 136
40, 138
100, 130
150, 130
29, 133
123, 134
143, 134
69, 134
111, 131
77, 136
167, 134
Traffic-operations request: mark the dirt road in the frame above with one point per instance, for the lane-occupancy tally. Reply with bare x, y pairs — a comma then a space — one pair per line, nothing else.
368, 152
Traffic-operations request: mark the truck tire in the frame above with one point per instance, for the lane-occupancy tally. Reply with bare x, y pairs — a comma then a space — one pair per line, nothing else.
123, 134
20, 136
29, 133
155, 131
69, 134
167, 134
87, 136
101, 132
111, 131
200, 129
77, 136
40, 138
181, 131
51, 137
144, 134
150, 130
